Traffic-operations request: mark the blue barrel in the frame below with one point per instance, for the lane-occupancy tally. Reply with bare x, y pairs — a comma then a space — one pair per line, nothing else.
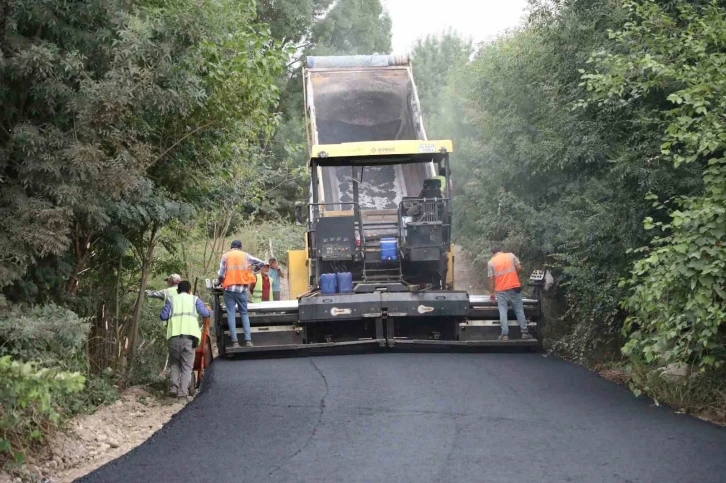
345, 282
389, 249
327, 283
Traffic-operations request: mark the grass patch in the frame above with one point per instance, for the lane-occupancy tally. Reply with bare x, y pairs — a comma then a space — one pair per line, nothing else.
701, 394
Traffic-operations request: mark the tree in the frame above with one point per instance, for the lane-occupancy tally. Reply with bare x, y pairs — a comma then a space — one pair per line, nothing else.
149, 94
291, 21
55, 155
434, 59
562, 186
353, 27
109, 135
139, 221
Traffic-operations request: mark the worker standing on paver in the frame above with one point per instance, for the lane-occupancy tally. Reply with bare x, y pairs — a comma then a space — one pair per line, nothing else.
261, 290
172, 282
182, 334
235, 274
275, 275
504, 287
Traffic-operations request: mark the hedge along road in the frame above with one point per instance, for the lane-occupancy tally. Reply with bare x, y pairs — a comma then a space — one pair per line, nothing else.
399, 417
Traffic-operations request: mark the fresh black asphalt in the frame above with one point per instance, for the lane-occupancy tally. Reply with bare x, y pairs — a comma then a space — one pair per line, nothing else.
421, 417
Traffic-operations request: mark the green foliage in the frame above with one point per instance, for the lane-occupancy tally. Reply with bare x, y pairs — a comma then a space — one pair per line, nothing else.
27, 396
99, 390
121, 119
677, 299
290, 21
149, 362
49, 335
353, 27
434, 59
562, 187
105, 97
53, 336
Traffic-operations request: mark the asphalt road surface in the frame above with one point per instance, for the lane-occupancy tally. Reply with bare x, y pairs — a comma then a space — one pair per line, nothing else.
411, 417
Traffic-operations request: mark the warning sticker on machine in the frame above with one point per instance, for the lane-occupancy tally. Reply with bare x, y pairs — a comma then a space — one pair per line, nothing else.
426, 148
335, 311
422, 309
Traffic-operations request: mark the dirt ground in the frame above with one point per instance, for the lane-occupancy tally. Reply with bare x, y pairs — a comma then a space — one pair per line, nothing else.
89, 441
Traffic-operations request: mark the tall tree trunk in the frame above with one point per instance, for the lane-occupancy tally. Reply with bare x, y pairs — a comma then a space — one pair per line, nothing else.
146, 261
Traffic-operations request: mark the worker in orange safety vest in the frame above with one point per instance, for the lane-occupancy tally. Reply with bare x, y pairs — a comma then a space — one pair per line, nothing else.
235, 275
504, 287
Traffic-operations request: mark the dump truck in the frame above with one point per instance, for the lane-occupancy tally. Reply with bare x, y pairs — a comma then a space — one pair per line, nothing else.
378, 217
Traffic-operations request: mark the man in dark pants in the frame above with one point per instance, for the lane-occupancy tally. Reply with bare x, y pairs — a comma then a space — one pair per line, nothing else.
235, 275
504, 287
183, 334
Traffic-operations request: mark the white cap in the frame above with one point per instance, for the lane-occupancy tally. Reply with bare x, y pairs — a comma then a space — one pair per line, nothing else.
174, 277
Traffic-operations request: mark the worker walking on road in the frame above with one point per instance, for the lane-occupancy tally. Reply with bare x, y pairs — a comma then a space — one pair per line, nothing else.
172, 281
235, 274
182, 334
275, 275
504, 287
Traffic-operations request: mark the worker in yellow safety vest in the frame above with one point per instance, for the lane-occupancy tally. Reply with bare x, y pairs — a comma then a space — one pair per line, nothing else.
181, 312
504, 287
235, 275
171, 281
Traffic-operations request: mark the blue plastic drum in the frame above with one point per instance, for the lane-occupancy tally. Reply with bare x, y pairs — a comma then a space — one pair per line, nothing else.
327, 283
389, 249
345, 282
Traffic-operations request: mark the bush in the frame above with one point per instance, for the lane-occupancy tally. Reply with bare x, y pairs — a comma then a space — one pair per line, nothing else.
27, 394
152, 352
53, 336
99, 390
48, 334
677, 302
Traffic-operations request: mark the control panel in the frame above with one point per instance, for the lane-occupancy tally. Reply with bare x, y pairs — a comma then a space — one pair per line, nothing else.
537, 277
335, 237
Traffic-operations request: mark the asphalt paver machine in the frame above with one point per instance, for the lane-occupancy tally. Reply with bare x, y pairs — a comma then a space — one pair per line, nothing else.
379, 216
